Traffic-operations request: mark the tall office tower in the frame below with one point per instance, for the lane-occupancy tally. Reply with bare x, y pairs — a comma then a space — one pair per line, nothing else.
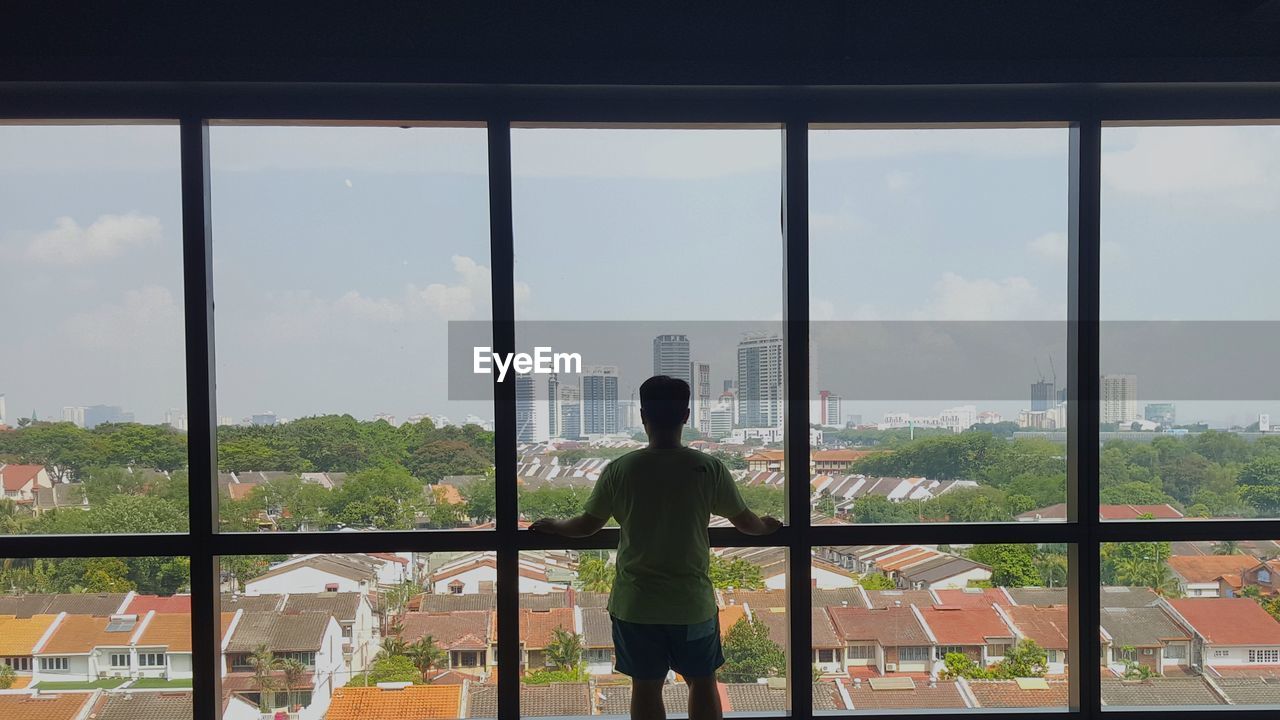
760, 393
1120, 399
720, 422
1043, 396
4, 412
73, 415
671, 357
102, 414
600, 400
553, 406
526, 410
728, 385
700, 397
569, 406
829, 408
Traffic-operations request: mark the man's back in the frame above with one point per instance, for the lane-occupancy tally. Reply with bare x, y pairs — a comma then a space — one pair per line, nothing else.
663, 499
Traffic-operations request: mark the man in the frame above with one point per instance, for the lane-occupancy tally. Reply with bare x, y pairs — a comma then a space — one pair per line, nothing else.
663, 605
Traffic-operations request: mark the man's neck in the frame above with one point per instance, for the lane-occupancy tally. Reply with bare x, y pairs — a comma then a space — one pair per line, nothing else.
664, 443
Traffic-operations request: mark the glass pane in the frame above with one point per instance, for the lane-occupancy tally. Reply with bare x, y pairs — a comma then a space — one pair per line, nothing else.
1191, 623
571, 664
1188, 387
934, 627
103, 637
93, 386
646, 252
331, 635
938, 299
341, 254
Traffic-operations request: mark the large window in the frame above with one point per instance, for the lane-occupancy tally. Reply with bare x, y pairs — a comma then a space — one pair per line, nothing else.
904, 337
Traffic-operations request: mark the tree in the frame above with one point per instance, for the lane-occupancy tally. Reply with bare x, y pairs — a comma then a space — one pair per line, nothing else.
880, 509
564, 651
264, 663
1133, 493
553, 502
825, 505
735, 573
1025, 659
479, 497
1011, 565
389, 669
749, 654
7, 676
1186, 476
386, 498
1134, 670
1260, 485
764, 499
595, 574
425, 655
1052, 570
876, 581
1227, 547
294, 672
433, 460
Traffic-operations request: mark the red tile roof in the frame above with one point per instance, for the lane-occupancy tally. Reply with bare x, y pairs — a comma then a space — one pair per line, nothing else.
459, 630
965, 626
16, 476
1045, 625
537, 627
142, 604
891, 626
44, 707
972, 597
1007, 694
416, 702
1208, 568
1229, 621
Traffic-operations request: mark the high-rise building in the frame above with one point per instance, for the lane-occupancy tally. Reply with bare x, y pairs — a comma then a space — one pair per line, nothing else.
553, 406
728, 385
526, 411
177, 419
600, 400
700, 398
720, 423
1163, 413
265, 418
828, 408
671, 357
569, 408
96, 415
1043, 396
1120, 399
760, 391
73, 415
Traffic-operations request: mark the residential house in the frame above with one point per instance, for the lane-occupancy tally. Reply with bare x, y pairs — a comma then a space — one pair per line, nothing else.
597, 639
478, 573
1228, 631
1046, 625
18, 639
884, 640
537, 631
85, 648
765, 460
1147, 636
47, 706
312, 638
162, 648
143, 705
20, 482
466, 636
1058, 513
59, 497
1265, 576
1208, 575
397, 701
316, 573
835, 462
947, 571
978, 633
1038, 596
772, 562
828, 646
352, 610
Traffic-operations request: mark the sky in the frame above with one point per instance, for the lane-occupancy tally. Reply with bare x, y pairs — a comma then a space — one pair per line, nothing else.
340, 254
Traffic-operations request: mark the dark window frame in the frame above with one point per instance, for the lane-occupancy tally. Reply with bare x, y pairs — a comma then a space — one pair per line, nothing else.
1083, 109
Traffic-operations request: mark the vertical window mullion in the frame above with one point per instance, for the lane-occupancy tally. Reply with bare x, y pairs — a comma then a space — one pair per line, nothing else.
1083, 313
795, 232
502, 257
197, 262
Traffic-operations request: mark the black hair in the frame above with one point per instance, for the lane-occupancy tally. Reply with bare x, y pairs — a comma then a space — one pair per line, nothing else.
664, 400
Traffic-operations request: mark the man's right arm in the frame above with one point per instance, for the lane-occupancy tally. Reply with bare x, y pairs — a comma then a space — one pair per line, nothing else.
749, 523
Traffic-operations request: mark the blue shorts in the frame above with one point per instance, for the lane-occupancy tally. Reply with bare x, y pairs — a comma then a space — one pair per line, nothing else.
647, 652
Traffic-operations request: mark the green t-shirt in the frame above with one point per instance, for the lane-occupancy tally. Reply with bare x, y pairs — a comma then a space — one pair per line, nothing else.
663, 500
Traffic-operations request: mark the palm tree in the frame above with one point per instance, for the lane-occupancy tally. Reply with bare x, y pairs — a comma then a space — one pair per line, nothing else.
393, 646
1053, 570
595, 575
425, 655
294, 671
1227, 547
264, 662
1131, 571
565, 650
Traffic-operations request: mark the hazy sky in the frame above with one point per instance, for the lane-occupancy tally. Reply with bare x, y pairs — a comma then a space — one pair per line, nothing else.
340, 254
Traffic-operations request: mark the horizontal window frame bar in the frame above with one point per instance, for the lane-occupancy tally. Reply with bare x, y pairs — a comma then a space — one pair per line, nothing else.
653, 104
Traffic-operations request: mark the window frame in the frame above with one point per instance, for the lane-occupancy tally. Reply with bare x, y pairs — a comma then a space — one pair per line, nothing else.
1083, 109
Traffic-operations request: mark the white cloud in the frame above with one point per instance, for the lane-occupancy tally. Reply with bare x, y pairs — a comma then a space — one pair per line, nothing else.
1050, 246
145, 321
1012, 298
898, 180
69, 243
1239, 162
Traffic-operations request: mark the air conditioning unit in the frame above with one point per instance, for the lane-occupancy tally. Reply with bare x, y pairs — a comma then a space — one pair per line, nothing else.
891, 667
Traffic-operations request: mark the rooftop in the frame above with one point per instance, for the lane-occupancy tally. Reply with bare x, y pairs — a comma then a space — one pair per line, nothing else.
63, 706
888, 626
1140, 626
144, 706
280, 633
1047, 626
1208, 568
416, 702
1175, 691
1229, 621
1008, 694
965, 626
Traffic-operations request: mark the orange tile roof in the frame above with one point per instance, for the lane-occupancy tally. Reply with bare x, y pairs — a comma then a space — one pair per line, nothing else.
416, 702
1045, 625
840, 455
15, 476
730, 615
80, 634
142, 604
63, 706
171, 630
1229, 621
765, 456
965, 626
19, 635
1208, 568
537, 627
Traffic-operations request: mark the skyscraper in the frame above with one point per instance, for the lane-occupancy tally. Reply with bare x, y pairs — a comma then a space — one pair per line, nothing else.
700, 397
1043, 396
760, 393
96, 415
526, 411
1163, 413
1120, 399
829, 408
600, 400
569, 405
73, 415
671, 357
553, 406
